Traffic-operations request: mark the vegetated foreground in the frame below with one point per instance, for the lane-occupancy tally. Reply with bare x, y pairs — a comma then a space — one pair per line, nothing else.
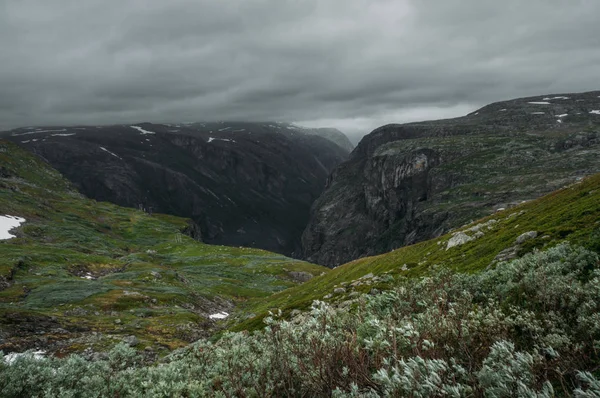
454, 316
84, 275
528, 328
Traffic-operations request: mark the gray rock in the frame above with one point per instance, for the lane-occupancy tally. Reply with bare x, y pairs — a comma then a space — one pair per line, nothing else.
156, 275
507, 254
459, 238
339, 290
117, 321
525, 237
132, 341
300, 276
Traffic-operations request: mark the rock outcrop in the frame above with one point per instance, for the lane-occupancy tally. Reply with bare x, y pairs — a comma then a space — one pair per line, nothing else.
243, 184
412, 182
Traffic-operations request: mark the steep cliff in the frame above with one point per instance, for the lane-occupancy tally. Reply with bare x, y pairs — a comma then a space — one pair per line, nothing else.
412, 182
244, 184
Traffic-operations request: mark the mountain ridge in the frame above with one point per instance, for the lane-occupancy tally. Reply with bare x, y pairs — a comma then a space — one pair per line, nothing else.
244, 184
406, 183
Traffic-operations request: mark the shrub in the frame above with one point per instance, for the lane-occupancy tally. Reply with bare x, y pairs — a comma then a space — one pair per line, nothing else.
528, 328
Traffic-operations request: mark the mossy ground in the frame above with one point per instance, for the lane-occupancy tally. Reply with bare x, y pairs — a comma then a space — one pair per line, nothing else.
571, 214
118, 271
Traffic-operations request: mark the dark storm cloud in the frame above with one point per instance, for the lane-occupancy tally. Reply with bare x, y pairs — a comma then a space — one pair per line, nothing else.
354, 64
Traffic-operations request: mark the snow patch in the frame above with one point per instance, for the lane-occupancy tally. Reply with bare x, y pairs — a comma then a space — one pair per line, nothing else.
141, 130
595, 112
62, 135
7, 223
556, 98
502, 110
211, 139
225, 128
219, 315
539, 103
25, 142
538, 113
112, 153
36, 132
562, 115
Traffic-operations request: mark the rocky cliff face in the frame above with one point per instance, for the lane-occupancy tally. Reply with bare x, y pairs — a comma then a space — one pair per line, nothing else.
407, 183
244, 184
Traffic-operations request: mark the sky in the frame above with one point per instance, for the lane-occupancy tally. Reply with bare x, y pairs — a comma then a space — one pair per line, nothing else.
350, 64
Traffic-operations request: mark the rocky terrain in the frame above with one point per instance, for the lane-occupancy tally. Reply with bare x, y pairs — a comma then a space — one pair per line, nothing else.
412, 182
243, 184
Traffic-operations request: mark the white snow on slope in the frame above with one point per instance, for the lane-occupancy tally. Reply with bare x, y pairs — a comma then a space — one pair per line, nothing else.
538, 113
36, 132
7, 223
219, 315
112, 153
562, 115
211, 139
596, 112
225, 128
540, 103
556, 98
141, 130
62, 135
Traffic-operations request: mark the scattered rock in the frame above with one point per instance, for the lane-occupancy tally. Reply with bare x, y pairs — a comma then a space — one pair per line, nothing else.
117, 321
525, 237
328, 296
300, 276
156, 275
507, 254
459, 238
132, 341
339, 290
295, 313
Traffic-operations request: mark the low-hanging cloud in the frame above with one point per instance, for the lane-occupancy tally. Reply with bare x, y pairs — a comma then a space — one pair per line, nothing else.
352, 64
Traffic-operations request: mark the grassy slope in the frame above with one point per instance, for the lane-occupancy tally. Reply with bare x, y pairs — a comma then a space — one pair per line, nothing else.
148, 279
572, 214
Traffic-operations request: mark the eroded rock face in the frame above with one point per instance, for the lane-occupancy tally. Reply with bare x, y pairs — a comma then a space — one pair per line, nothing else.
412, 182
243, 184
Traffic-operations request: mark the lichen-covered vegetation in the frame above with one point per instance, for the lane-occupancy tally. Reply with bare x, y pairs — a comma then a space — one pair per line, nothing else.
527, 328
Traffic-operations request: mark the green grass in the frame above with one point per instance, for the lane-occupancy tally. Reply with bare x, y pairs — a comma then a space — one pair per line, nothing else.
571, 214
148, 275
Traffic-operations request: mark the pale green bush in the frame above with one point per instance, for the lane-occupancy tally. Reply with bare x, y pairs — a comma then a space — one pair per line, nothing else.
527, 328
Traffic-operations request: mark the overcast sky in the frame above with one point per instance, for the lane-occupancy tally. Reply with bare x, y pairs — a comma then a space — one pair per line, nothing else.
351, 64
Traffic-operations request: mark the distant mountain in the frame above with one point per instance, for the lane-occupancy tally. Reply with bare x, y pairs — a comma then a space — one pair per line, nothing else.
406, 183
331, 134
244, 184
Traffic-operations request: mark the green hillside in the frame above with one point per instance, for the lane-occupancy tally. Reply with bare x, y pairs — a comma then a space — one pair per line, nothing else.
571, 214
81, 273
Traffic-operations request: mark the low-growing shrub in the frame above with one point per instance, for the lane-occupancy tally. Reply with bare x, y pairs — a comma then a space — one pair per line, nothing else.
527, 328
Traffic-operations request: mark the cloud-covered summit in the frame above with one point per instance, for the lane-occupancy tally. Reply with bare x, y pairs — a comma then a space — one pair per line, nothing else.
351, 64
